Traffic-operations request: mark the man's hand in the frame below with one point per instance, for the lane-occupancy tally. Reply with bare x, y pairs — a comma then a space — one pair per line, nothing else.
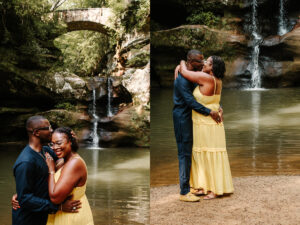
215, 115
14, 202
221, 113
71, 206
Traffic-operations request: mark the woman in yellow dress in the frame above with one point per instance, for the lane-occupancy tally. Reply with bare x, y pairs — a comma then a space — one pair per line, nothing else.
69, 180
210, 170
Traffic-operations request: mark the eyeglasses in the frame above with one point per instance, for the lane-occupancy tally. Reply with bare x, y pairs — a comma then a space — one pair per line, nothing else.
58, 144
43, 128
40, 128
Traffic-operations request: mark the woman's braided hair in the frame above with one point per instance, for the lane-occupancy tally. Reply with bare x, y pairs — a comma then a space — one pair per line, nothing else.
218, 67
71, 136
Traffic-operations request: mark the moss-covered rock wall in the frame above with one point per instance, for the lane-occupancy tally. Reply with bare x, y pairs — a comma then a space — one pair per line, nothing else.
223, 27
52, 76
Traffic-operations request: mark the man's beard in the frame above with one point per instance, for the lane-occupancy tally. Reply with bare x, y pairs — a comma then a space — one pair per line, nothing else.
45, 141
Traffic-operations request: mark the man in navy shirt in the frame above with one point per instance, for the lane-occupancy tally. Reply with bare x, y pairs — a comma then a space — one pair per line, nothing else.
184, 102
31, 175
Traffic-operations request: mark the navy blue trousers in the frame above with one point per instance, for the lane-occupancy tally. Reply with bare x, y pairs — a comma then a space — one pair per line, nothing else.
184, 158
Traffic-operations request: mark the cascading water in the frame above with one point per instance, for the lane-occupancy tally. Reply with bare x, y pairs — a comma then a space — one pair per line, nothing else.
254, 66
255, 70
282, 29
109, 91
95, 143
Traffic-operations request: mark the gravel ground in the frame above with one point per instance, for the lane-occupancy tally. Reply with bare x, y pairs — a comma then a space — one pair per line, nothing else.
256, 200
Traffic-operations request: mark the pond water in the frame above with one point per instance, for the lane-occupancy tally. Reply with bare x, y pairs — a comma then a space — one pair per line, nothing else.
117, 189
262, 133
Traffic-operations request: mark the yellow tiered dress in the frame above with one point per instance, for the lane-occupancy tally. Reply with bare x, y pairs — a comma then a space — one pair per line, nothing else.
210, 168
83, 217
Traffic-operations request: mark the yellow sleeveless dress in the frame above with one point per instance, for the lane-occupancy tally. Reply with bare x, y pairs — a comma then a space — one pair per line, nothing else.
83, 217
210, 168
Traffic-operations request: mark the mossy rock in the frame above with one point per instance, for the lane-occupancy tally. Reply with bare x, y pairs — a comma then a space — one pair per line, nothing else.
209, 41
65, 118
139, 60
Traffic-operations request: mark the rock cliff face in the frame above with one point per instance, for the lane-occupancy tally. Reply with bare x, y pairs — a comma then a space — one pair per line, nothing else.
226, 43
287, 65
130, 72
231, 39
64, 98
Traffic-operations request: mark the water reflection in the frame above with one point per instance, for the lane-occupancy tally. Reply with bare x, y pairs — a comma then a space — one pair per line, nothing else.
117, 186
255, 119
262, 133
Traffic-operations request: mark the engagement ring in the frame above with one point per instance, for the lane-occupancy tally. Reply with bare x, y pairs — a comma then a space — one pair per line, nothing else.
74, 208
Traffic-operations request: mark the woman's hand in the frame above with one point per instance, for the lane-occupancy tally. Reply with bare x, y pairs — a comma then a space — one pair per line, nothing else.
50, 162
221, 113
182, 66
73, 134
14, 202
70, 206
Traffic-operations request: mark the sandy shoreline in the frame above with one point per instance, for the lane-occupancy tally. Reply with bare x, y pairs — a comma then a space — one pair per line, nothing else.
256, 200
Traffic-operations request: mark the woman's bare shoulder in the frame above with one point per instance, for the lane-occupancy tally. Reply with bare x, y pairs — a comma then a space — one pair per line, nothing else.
75, 164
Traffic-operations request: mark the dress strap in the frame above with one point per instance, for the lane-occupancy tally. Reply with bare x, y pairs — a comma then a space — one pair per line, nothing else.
215, 87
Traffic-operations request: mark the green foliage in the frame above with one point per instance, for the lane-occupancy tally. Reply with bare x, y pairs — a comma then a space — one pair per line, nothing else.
215, 7
23, 31
132, 16
30, 8
203, 12
78, 4
83, 50
205, 18
65, 105
26, 30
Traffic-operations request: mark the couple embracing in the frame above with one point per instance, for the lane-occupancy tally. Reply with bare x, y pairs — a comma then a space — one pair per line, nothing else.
50, 182
198, 124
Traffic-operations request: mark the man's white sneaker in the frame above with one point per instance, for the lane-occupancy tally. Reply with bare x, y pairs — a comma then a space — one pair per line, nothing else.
189, 197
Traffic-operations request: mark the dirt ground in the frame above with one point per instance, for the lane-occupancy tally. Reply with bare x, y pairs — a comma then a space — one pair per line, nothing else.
256, 200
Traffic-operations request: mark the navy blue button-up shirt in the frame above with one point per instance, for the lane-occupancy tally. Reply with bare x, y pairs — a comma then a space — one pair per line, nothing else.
184, 102
31, 175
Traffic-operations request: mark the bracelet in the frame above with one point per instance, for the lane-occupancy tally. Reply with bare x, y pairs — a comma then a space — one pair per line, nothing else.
52, 172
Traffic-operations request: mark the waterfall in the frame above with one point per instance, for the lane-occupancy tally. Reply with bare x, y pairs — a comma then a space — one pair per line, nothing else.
95, 143
255, 70
254, 66
109, 93
282, 29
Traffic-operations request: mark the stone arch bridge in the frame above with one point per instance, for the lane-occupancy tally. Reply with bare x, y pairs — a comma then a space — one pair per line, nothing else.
94, 19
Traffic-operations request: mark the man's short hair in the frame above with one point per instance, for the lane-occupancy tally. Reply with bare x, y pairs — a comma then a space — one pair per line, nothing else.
192, 53
32, 121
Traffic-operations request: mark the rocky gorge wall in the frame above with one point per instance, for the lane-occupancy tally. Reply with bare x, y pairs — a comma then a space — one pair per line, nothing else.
230, 37
29, 87
129, 70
